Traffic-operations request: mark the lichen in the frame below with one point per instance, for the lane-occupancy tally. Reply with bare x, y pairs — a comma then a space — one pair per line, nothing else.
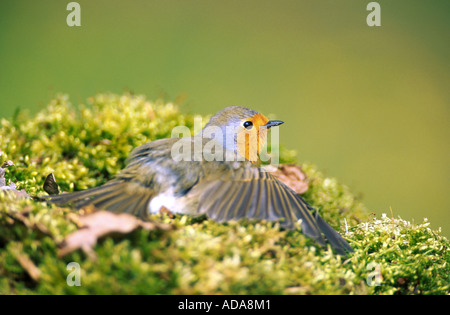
86, 145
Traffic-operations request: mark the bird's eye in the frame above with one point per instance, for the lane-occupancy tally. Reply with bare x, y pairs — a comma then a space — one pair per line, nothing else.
248, 125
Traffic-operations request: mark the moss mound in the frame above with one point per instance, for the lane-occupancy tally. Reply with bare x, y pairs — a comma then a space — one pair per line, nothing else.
84, 146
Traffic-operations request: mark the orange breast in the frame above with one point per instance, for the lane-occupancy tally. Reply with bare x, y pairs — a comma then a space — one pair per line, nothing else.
250, 142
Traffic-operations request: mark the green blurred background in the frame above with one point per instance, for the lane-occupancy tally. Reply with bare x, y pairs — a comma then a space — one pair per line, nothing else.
370, 105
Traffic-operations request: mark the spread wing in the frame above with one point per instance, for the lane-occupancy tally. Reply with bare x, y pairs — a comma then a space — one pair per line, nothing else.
115, 196
132, 189
250, 192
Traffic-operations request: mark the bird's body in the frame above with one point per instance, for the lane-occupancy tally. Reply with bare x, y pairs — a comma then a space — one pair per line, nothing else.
224, 185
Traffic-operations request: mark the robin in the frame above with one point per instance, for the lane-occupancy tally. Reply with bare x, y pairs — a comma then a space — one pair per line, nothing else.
223, 181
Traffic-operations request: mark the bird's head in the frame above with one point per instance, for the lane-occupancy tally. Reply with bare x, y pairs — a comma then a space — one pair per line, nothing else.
244, 130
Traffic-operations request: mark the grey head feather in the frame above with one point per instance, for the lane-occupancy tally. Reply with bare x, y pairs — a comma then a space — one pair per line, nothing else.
228, 119
231, 116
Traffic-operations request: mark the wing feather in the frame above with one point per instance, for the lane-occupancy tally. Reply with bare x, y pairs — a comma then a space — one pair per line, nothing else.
255, 194
116, 196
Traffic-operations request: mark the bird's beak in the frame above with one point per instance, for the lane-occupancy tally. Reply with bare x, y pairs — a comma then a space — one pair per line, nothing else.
273, 123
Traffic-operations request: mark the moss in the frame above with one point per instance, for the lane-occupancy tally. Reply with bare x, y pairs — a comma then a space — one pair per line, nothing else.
86, 145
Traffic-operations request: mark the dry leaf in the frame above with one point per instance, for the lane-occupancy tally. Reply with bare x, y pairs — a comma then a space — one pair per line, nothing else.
291, 175
164, 211
101, 224
50, 185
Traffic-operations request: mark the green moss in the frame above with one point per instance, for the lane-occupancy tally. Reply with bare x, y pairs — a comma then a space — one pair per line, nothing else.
86, 145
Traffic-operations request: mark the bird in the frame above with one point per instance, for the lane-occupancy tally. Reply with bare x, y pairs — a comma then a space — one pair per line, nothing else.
214, 173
